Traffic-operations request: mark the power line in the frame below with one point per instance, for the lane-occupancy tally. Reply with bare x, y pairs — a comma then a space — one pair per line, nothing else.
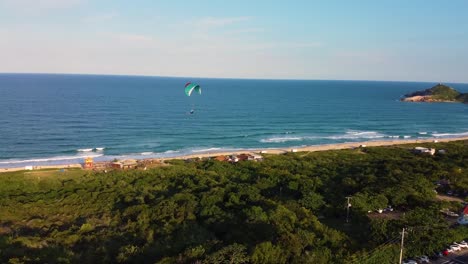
373, 251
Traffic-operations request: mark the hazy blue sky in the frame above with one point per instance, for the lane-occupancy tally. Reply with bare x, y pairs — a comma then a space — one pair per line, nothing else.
418, 40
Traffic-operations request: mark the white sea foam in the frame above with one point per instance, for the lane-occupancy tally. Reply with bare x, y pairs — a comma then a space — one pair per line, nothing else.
406, 136
85, 150
205, 150
58, 158
358, 135
394, 136
100, 149
171, 151
147, 153
347, 135
463, 134
422, 133
281, 139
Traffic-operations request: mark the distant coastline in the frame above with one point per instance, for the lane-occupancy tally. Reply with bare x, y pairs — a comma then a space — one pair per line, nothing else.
275, 151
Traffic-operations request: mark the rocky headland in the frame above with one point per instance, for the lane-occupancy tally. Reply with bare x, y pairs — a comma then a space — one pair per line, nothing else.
438, 93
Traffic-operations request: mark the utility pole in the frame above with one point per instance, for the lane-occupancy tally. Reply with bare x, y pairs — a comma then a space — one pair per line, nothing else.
402, 243
347, 209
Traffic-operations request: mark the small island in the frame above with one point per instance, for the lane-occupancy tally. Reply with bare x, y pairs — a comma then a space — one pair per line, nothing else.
438, 93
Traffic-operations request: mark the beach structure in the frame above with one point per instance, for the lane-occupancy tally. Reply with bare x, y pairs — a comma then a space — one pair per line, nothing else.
463, 220
28, 168
233, 158
88, 164
221, 158
125, 164
294, 150
422, 150
257, 157
243, 157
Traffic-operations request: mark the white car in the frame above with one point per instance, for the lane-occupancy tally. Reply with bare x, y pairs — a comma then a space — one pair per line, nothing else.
409, 261
423, 259
455, 247
462, 244
452, 214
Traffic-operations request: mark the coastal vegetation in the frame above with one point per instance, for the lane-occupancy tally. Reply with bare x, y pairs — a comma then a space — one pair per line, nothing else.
438, 93
288, 208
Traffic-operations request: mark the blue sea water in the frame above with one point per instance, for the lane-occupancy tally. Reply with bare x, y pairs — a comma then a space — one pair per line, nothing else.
54, 119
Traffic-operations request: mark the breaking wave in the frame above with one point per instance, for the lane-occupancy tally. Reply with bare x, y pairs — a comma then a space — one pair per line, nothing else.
350, 135
464, 134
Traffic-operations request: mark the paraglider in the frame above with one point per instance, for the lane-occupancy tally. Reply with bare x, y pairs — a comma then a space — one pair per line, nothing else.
189, 89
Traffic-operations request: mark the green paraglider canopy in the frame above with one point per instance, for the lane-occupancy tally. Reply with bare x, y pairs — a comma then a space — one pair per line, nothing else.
190, 87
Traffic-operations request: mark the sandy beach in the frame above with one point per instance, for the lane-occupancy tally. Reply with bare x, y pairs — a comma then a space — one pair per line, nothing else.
268, 151
337, 146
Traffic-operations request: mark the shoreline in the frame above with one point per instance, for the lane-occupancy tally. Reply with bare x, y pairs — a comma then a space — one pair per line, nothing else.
275, 151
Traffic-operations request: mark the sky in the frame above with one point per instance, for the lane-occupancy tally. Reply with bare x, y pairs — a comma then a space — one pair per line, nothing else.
396, 40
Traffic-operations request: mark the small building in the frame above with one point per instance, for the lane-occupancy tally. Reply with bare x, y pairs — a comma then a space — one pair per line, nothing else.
421, 150
294, 150
442, 151
242, 157
125, 164
233, 158
264, 151
221, 158
88, 164
257, 157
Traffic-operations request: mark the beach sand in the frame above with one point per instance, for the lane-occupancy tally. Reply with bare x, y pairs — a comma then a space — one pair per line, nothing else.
270, 151
317, 147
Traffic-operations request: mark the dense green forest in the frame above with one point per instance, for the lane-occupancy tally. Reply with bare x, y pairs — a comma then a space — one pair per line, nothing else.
288, 208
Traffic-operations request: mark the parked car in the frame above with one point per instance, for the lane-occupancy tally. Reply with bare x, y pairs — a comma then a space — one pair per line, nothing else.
409, 261
462, 244
455, 247
445, 252
379, 211
388, 209
423, 259
450, 213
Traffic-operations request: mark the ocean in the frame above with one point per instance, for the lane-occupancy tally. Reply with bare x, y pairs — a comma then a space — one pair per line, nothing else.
57, 119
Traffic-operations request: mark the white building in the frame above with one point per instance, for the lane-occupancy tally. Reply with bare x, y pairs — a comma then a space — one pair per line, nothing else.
421, 150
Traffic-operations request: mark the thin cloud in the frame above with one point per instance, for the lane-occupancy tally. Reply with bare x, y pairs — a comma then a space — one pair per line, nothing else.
100, 17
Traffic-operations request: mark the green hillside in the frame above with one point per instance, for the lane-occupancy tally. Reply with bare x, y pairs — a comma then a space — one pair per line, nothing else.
441, 92
444, 92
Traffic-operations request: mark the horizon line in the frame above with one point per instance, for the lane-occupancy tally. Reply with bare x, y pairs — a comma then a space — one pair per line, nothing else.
218, 78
